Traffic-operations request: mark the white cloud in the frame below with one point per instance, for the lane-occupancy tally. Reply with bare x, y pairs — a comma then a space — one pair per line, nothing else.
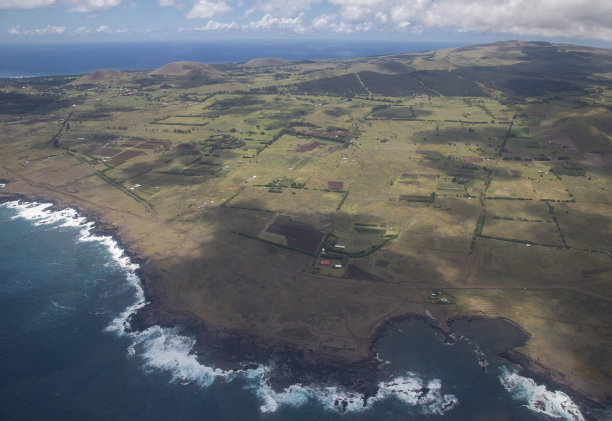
282, 7
323, 22
19, 30
509, 18
50, 30
570, 18
403, 24
47, 30
85, 6
171, 3
203, 9
381, 16
364, 26
268, 22
342, 28
554, 18
360, 10
328, 23
15, 30
217, 26
356, 13
26, 4
88, 6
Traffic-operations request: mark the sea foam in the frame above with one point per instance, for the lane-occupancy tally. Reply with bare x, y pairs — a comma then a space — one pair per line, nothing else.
40, 214
539, 399
168, 349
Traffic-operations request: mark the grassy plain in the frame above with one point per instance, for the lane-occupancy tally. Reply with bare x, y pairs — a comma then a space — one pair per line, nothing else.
498, 198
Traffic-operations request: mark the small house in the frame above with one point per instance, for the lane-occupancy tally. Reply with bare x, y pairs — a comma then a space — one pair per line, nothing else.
325, 262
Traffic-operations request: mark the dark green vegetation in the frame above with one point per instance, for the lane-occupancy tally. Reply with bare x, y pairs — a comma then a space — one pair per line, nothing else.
15, 103
305, 203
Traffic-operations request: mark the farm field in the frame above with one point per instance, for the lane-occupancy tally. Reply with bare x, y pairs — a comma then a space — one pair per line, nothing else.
307, 203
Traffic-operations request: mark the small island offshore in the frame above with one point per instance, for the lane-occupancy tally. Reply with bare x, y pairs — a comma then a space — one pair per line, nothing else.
288, 211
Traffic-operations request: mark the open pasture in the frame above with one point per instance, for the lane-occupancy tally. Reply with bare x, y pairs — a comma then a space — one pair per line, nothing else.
529, 232
287, 200
182, 120
441, 109
594, 187
504, 263
522, 210
586, 226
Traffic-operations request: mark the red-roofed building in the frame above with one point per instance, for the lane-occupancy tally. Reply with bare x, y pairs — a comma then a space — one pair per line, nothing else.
325, 262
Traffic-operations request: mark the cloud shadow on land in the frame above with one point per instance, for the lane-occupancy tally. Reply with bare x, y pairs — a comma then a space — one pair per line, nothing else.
250, 302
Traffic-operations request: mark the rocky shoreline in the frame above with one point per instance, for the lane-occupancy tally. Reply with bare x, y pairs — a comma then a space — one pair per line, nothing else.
236, 350
532, 369
224, 348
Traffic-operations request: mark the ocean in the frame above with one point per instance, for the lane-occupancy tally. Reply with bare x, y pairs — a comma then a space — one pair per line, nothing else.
21, 60
67, 352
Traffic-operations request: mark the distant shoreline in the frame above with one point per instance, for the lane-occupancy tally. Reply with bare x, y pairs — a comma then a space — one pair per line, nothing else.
39, 60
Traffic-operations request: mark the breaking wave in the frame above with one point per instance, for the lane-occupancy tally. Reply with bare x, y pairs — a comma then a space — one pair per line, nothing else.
539, 399
42, 214
169, 350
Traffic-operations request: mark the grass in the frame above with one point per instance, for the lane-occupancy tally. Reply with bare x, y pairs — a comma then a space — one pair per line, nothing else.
456, 147
529, 232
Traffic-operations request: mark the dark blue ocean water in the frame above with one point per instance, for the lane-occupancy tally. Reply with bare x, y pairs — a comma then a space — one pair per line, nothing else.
65, 295
71, 58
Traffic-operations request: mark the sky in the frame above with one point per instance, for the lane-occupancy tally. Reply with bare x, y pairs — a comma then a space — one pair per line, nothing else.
587, 22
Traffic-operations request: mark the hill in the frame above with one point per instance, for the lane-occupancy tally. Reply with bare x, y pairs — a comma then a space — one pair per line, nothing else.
266, 62
186, 68
516, 69
105, 76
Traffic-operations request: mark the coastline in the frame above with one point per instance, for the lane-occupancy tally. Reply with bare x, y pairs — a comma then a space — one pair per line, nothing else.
238, 350
540, 374
224, 348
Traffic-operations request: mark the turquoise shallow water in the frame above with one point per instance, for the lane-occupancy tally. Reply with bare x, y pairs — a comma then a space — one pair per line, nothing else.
66, 294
